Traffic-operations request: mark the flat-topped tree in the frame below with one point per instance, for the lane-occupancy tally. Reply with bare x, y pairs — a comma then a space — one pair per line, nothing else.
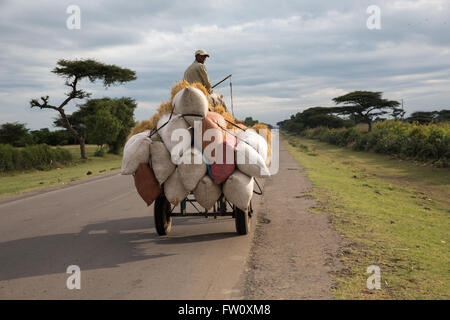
74, 71
365, 106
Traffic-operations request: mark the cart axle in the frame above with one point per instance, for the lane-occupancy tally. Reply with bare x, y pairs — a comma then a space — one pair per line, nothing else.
203, 214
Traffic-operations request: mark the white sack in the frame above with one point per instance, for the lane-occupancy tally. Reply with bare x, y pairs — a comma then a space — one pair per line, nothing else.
249, 161
178, 129
207, 192
135, 152
191, 100
160, 161
238, 189
255, 140
174, 189
191, 168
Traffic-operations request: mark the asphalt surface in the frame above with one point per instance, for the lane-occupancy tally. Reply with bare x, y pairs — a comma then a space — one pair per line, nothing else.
104, 227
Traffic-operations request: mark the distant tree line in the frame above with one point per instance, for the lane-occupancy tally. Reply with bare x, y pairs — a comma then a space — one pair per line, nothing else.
99, 121
312, 118
424, 117
357, 107
250, 122
18, 135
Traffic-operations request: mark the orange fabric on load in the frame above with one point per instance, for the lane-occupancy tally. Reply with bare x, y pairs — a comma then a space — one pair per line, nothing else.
219, 171
146, 184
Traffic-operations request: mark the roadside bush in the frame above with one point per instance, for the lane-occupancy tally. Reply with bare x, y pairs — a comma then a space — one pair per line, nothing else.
8, 157
62, 155
405, 140
39, 157
100, 152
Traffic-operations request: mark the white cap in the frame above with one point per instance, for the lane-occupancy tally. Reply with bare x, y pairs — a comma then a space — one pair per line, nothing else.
202, 53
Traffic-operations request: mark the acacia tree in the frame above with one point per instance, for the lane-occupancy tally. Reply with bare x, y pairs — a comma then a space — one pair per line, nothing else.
73, 71
365, 106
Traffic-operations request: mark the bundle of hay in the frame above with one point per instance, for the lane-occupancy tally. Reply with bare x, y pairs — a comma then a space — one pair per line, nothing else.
191, 167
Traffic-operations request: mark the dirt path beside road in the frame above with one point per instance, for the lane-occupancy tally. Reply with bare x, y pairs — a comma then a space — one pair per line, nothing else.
293, 249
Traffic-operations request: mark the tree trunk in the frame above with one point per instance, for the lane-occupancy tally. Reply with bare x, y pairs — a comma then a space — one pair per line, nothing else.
82, 147
114, 148
370, 125
80, 138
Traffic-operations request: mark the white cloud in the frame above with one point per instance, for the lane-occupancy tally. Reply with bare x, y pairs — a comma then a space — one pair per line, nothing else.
417, 5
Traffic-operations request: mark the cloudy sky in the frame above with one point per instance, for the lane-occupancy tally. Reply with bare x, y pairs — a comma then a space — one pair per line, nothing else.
285, 56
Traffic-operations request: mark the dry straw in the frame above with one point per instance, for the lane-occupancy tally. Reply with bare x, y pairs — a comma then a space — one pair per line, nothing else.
166, 107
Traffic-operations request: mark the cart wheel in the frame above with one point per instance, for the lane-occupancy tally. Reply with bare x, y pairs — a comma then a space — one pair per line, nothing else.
163, 220
242, 221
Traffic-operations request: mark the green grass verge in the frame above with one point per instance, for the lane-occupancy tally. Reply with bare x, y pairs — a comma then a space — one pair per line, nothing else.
18, 182
75, 150
391, 213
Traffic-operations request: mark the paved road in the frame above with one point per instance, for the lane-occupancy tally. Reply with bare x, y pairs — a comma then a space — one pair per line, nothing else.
105, 228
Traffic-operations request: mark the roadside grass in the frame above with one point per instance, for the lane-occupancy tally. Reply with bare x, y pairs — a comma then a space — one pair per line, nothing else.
75, 150
391, 213
362, 127
17, 182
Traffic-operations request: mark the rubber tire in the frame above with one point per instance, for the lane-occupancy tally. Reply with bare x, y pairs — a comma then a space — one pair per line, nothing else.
163, 222
242, 220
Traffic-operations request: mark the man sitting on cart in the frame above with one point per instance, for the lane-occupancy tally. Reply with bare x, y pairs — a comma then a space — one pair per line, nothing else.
196, 72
